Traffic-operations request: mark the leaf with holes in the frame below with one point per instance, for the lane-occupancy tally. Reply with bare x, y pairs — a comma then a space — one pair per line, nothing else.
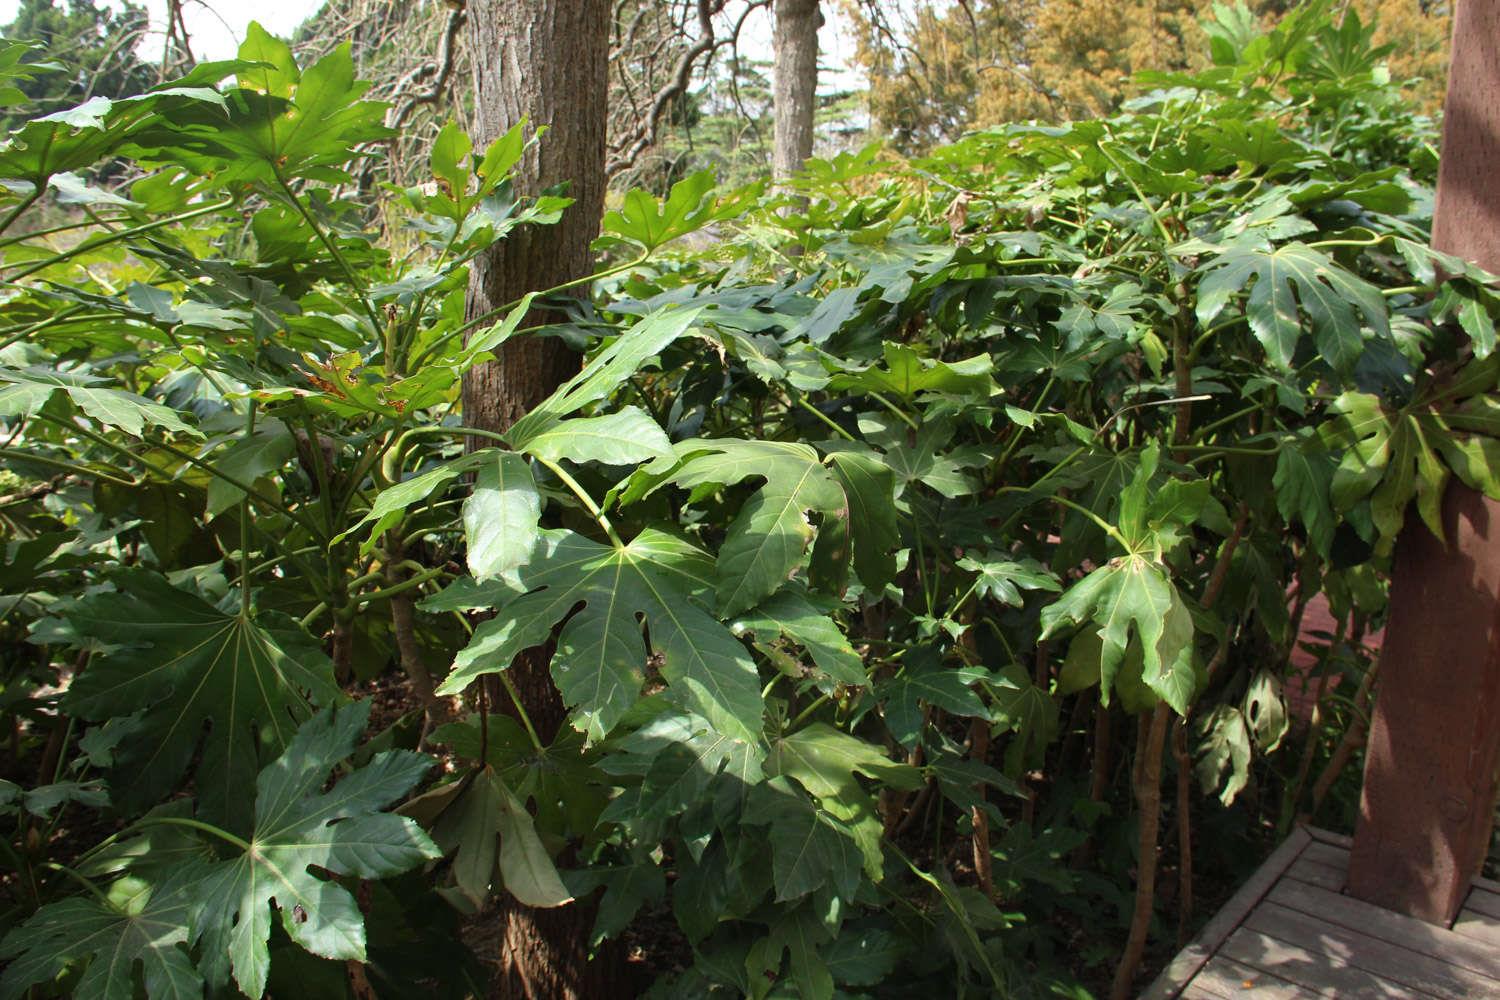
301, 833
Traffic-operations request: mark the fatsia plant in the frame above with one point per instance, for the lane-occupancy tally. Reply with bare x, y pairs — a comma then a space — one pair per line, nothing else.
884, 581
301, 836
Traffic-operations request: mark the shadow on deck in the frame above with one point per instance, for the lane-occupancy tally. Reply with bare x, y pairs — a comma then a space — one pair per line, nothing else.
1290, 932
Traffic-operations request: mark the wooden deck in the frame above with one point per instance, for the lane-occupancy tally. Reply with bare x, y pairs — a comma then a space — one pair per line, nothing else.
1290, 932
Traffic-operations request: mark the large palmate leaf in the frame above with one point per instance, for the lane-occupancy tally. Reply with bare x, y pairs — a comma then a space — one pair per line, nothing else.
677, 756
299, 828
75, 138
186, 665
135, 926
289, 122
23, 391
906, 374
1388, 456
601, 655
1337, 302
810, 848
925, 680
769, 537
824, 761
492, 837
1132, 595
627, 437
1003, 579
688, 207
791, 614
1304, 475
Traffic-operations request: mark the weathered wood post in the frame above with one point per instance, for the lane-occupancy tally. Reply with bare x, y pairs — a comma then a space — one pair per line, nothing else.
1431, 763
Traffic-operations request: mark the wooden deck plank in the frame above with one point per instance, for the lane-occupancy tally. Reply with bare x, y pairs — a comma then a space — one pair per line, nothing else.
1233, 979
1382, 959
1483, 901
1305, 869
1478, 927
1180, 972
1321, 973
1328, 854
1385, 925
1291, 934
1323, 836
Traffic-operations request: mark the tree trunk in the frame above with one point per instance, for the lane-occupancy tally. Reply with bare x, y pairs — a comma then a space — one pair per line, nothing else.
795, 42
545, 61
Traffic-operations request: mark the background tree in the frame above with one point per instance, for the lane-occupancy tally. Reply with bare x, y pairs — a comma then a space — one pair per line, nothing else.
546, 63
796, 83
937, 70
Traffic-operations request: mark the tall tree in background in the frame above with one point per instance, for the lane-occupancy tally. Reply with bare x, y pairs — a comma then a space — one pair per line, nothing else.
795, 41
937, 70
545, 61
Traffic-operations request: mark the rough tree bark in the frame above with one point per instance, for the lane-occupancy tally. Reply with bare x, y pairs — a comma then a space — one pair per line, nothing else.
545, 61
795, 41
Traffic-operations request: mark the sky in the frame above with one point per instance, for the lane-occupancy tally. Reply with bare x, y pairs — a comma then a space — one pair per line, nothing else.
216, 26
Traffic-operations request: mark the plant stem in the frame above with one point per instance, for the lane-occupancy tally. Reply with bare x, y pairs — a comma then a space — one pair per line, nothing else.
245, 525
485, 317
355, 282
809, 710
802, 401
16, 454
400, 588
194, 824
899, 413
1153, 735
21, 207
515, 697
585, 499
81, 879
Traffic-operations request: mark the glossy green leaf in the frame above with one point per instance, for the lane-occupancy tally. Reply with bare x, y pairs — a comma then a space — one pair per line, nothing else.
189, 667
1003, 579
246, 460
479, 820
137, 929
1131, 595
501, 515
300, 827
689, 206
769, 538
791, 615
1337, 302
627, 437
26, 390
600, 661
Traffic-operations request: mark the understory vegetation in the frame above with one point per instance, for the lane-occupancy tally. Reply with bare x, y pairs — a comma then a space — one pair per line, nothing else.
921, 552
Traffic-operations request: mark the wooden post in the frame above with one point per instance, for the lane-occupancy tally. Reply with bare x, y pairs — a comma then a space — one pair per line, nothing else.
1431, 763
